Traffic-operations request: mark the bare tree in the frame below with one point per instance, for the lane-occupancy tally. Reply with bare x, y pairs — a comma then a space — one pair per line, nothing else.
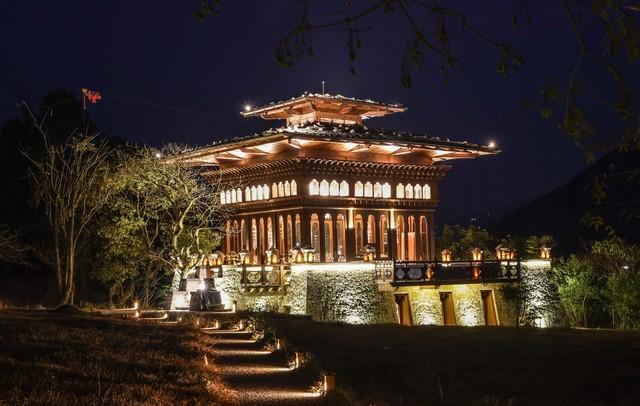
70, 183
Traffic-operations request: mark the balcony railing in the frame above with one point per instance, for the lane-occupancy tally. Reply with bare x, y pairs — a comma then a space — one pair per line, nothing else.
265, 278
452, 272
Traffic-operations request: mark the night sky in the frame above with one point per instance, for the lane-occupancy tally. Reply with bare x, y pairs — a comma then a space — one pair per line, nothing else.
142, 54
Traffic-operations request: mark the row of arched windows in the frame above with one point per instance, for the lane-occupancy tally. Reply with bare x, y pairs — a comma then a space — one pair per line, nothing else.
368, 189
409, 191
260, 192
328, 236
284, 189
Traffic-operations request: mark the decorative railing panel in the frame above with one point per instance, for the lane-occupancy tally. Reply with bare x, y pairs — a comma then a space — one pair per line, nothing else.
438, 273
272, 277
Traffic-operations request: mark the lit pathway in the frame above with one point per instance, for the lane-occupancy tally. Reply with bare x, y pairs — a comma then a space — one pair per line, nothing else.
259, 377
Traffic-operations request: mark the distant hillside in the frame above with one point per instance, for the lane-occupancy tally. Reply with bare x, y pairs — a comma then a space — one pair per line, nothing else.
559, 212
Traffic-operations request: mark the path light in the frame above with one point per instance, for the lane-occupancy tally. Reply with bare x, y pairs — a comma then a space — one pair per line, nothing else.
492, 144
247, 107
136, 305
136, 314
298, 359
329, 382
216, 324
241, 325
279, 343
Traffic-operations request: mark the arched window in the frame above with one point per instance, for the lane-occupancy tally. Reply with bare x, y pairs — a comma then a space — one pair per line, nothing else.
371, 229
417, 192
247, 194
344, 188
239, 195
260, 195
289, 232
294, 188
384, 237
315, 232
324, 188
232, 193
254, 193
400, 239
386, 190
368, 189
254, 239
411, 238
334, 188
244, 235
281, 189
265, 191
341, 237
269, 233
235, 242
262, 249
377, 190
408, 191
359, 235
328, 238
399, 191
281, 241
426, 192
227, 238
223, 198
274, 190
298, 231
424, 240
314, 187
359, 190
228, 196
287, 188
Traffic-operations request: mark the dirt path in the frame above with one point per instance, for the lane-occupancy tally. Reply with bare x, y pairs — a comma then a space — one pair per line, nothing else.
259, 377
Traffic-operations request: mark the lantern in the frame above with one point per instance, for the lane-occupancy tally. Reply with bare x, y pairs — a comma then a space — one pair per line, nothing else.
445, 255
218, 258
368, 253
309, 253
244, 257
273, 256
476, 254
477, 272
545, 252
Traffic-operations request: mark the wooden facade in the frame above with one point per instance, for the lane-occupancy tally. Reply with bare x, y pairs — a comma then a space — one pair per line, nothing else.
325, 188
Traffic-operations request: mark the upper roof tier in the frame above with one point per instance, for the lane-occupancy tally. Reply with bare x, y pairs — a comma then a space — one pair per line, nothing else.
336, 141
323, 108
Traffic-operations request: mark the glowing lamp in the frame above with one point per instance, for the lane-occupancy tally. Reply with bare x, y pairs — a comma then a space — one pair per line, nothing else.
476, 254
136, 305
492, 144
477, 272
234, 306
247, 107
545, 252
279, 343
329, 381
241, 325
216, 324
298, 359
158, 155
206, 360
430, 272
445, 255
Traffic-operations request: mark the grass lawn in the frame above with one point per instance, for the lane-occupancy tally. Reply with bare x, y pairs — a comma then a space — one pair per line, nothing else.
70, 358
481, 366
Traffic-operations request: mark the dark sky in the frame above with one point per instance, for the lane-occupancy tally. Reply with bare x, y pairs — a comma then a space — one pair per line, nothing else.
157, 53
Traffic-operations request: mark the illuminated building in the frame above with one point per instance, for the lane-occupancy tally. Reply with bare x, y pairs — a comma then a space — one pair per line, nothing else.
327, 193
